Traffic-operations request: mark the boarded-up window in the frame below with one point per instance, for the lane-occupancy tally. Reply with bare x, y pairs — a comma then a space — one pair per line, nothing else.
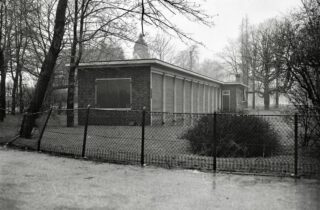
206, 98
201, 98
212, 99
157, 92
113, 93
179, 95
215, 101
195, 97
219, 98
169, 94
188, 97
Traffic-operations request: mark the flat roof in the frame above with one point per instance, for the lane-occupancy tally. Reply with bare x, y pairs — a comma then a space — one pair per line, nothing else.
149, 62
235, 83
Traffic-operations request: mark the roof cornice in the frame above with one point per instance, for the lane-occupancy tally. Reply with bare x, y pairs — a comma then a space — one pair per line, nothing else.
150, 62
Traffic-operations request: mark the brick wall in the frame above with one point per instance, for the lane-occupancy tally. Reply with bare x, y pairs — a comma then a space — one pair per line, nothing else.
140, 77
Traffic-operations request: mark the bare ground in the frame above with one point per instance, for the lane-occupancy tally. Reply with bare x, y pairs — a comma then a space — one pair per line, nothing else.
37, 181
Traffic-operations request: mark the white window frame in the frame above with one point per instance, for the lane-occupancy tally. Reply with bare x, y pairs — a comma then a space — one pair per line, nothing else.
119, 78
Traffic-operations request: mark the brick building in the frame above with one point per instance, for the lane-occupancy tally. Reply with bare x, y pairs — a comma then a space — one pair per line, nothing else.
156, 85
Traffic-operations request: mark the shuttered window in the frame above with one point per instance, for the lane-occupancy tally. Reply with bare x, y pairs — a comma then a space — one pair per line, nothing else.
157, 92
188, 97
195, 97
113, 93
179, 95
169, 94
201, 89
206, 98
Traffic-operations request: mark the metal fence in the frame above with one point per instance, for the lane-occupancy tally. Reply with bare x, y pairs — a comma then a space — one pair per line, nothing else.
260, 144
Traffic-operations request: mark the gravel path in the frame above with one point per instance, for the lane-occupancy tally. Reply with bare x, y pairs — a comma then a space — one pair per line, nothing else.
30, 180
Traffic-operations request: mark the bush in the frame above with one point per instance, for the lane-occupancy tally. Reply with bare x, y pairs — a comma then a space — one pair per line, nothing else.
308, 128
237, 136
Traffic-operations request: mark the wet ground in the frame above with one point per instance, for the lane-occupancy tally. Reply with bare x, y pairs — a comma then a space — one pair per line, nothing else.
31, 180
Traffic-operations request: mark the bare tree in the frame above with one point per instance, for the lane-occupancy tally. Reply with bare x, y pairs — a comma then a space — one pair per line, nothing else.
303, 63
304, 57
2, 63
188, 58
5, 30
40, 23
161, 47
74, 61
265, 73
19, 43
104, 50
236, 55
214, 69
253, 65
269, 50
245, 53
258, 56
46, 69
231, 57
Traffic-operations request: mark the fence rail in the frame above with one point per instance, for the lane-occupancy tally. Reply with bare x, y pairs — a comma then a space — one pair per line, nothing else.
262, 144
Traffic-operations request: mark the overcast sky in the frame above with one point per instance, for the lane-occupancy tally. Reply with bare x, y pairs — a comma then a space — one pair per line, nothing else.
227, 20
227, 23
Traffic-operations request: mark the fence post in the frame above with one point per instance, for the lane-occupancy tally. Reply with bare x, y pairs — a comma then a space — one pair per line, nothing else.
43, 128
85, 132
142, 135
214, 141
296, 145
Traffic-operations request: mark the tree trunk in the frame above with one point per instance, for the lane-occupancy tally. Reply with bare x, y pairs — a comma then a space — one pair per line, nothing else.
254, 85
21, 102
13, 97
2, 87
266, 97
46, 70
14, 90
254, 94
70, 99
277, 85
72, 69
277, 93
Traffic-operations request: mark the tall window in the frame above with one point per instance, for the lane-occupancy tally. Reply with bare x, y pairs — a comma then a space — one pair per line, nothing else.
113, 93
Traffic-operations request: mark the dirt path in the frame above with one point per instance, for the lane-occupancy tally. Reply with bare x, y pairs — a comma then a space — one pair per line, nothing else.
38, 181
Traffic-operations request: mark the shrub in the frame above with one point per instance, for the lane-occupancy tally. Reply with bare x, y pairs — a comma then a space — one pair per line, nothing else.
308, 128
237, 136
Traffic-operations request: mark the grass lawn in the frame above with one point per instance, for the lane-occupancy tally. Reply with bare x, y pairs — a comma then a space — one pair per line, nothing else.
163, 147
10, 127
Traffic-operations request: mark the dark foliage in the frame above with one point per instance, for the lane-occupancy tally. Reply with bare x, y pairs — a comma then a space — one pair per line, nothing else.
237, 136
